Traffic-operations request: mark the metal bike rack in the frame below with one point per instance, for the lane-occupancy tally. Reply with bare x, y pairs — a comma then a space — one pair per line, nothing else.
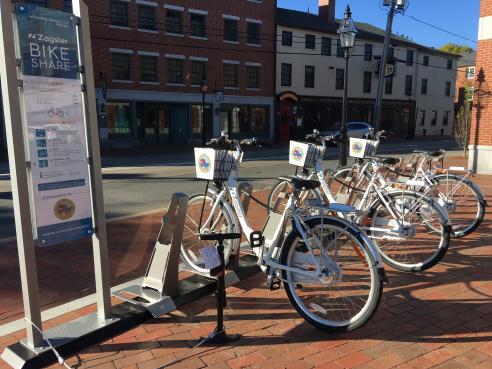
160, 284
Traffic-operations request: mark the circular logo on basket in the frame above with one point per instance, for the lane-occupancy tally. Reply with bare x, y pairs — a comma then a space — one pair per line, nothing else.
297, 153
357, 147
204, 163
64, 209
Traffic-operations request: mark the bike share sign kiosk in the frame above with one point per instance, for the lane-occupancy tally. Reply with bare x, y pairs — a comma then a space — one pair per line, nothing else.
53, 145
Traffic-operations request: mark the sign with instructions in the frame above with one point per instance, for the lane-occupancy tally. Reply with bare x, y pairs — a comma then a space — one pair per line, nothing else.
54, 117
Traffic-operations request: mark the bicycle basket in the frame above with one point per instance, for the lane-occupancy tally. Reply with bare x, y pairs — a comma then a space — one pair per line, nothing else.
214, 165
360, 148
304, 154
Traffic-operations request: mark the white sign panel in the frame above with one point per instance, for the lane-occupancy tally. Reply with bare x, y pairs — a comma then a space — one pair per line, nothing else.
298, 153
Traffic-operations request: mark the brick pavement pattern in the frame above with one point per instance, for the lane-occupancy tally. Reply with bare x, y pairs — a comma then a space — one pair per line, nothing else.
441, 318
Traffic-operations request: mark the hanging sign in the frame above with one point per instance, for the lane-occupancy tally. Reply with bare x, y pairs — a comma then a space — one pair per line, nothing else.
54, 118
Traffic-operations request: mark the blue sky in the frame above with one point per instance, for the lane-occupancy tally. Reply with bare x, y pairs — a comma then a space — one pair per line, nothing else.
451, 15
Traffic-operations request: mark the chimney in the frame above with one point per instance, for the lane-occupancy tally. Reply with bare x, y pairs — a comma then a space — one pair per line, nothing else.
327, 10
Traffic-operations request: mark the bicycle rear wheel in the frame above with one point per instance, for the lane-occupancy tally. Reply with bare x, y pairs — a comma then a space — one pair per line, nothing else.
349, 295
221, 222
464, 202
416, 239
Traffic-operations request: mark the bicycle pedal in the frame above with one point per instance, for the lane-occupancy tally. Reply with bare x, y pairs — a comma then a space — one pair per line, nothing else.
273, 283
257, 239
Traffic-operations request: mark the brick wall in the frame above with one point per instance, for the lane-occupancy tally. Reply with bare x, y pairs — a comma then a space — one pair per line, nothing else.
481, 133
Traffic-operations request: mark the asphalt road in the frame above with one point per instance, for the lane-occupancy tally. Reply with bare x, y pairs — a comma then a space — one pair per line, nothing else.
138, 184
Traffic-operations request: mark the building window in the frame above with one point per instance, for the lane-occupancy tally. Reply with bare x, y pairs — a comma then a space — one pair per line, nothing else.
368, 52
198, 25
231, 72
174, 21
309, 72
367, 82
388, 86
121, 67
286, 38
43, 3
426, 60
447, 90
408, 85
148, 69
258, 119
339, 49
198, 72
445, 118
175, 71
469, 93
231, 30
434, 118
119, 13
67, 6
253, 33
422, 118
252, 76
325, 46
409, 58
310, 41
450, 64
244, 119
119, 118
146, 17
286, 75
339, 79
391, 53
470, 73
423, 87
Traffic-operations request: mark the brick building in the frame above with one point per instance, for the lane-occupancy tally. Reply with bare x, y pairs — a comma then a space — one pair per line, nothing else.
465, 79
481, 131
151, 57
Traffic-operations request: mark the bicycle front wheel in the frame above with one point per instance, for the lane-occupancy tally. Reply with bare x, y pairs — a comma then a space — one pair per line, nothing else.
349, 291
221, 221
463, 201
416, 239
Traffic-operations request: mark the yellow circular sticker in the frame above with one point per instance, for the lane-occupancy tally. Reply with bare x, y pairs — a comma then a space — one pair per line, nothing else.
64, 209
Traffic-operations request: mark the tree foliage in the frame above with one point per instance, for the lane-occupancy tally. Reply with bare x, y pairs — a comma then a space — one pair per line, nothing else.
462, 126
451, 47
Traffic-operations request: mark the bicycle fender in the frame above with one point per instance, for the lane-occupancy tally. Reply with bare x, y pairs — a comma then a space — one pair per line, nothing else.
379, 262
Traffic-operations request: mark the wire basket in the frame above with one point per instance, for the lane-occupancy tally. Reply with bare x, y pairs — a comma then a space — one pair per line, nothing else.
304, 154
215, 165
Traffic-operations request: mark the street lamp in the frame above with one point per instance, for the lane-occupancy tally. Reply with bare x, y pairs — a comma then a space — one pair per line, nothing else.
346, 33
203, 89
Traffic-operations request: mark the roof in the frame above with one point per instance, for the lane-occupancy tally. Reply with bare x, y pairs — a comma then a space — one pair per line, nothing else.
365, 31
467, 59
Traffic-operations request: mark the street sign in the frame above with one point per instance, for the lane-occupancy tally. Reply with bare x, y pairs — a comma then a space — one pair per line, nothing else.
220, 96
54, 115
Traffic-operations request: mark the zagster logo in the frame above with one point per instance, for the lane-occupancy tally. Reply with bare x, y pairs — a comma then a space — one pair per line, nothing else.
297, 153
357, 147
204, 163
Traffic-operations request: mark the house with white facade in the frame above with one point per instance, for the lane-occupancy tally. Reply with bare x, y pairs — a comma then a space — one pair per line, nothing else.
418, 100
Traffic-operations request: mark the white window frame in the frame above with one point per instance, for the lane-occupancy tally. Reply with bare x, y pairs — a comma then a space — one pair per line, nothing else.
468, 74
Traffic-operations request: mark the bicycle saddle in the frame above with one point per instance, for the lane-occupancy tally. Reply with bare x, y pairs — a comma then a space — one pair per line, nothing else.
219, 236
386, 161
301, 184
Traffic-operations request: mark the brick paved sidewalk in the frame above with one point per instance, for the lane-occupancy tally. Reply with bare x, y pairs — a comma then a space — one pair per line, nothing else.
439, 318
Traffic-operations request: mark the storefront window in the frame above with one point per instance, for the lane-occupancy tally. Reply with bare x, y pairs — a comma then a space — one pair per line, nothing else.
239, 119
258, 119
196, 119
119, 118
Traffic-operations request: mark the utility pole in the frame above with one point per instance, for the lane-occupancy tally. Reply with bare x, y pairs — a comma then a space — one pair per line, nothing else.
382, 66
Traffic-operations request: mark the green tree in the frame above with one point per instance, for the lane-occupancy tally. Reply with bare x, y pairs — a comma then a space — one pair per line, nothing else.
451, 47
462, 126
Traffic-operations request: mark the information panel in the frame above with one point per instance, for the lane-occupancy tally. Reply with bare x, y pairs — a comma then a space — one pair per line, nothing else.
53, 111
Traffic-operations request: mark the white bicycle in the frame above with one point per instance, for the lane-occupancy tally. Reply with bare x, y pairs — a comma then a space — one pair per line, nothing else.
410, 231
330, 270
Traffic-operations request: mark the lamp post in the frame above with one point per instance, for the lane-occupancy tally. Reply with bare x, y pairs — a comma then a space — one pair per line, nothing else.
204, 89
346, 33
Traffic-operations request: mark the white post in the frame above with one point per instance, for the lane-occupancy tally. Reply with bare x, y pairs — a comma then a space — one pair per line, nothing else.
18, 174
99, 238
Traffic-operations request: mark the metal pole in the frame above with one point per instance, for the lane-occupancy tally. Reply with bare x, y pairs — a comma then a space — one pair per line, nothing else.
204, 134
382, 67
99, 238
18, 175
343, 128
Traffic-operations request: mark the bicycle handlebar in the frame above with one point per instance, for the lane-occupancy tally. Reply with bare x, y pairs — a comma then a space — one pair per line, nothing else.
225, 143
